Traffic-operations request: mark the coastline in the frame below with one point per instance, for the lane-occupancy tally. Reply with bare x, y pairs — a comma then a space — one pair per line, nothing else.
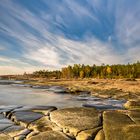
76, 123
105, 88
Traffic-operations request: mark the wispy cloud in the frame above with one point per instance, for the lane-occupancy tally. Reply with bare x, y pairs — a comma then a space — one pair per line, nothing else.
48, 39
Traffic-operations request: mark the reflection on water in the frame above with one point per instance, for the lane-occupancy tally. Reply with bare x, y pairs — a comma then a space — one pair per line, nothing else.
18, 94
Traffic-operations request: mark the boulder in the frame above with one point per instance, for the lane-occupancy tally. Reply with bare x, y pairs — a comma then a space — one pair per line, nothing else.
75, 120
88, 134
117, 125
16, 130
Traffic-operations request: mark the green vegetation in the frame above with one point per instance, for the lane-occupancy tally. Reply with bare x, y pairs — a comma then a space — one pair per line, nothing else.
86, 71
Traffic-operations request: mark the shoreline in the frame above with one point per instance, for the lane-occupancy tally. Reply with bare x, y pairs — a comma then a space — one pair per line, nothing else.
104, 88
77, 123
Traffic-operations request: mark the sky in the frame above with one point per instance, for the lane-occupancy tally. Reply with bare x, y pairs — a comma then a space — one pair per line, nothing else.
51, 34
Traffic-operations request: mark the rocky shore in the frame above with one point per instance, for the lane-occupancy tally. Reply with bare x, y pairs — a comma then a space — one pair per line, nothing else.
79, 123
105, 88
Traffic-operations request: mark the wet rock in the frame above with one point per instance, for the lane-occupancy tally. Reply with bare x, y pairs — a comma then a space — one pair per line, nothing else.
6, 109
117, 125
4, 126
100, 135
88, 134
76, 119
101, 106
5, 123
25, 117
42, 109
14, 130
49, 135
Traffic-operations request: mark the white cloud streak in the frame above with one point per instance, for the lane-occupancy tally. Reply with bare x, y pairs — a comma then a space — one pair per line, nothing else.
55, 51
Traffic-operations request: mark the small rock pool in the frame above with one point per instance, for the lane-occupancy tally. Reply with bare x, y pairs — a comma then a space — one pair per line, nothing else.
15, 93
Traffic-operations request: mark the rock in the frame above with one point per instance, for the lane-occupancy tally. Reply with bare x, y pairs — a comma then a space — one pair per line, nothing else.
9, 107
5, 123
88, 134
33, 133
13, 130
101, 106
132, 104
43, 124
49, 135
5, 137
20, 137
45, 110
42, 109
100, 135
25, 117
16, 130
74, 120
135, 116
117, 125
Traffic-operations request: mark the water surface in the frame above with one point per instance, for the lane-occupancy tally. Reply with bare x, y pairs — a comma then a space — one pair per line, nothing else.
15, 93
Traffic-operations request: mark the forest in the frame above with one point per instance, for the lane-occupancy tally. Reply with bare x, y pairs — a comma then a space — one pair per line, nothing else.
86, 71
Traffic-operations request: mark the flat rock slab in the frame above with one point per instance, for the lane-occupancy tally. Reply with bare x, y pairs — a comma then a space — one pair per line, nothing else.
14, 130
4, 126
117, 125
74, 120
25, 117
43, 109
49, 135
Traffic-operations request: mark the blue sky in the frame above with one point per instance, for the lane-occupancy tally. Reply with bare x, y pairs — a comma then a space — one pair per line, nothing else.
44, 34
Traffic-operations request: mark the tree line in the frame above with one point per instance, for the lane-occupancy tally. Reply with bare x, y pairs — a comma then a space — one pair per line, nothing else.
94, 71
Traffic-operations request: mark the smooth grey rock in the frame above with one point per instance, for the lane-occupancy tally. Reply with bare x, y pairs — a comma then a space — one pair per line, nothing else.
43, 109
1, 116
5, 121
25, 117
14, 130
4, 126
